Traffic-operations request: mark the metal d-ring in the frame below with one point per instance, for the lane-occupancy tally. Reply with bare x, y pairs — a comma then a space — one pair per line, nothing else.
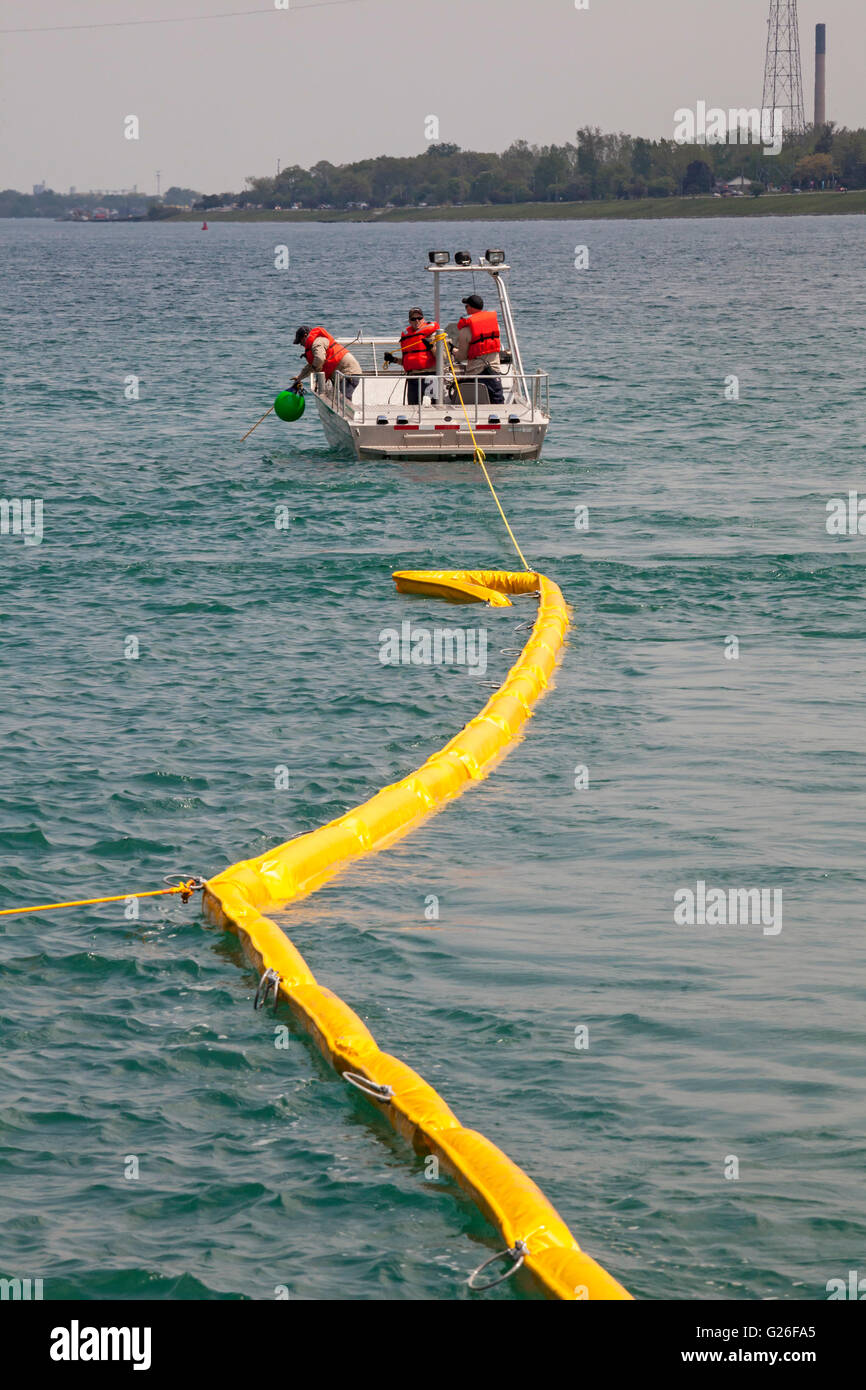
517, 1254
368, 1087
269, 981
187, 886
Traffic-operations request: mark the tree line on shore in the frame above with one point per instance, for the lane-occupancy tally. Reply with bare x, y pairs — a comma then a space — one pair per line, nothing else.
596, 166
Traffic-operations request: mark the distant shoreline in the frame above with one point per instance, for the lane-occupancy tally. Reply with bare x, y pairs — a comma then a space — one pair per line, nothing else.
768, 205
627, 210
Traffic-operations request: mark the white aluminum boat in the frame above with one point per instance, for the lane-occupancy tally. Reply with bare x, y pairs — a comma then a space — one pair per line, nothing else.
377, 423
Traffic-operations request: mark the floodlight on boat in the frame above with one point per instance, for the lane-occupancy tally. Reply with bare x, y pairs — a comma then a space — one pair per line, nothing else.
463, 257
439, 257
494, 257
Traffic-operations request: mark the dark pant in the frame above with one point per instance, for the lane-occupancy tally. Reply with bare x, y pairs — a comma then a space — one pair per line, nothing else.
414, 389
494, 388
351, 383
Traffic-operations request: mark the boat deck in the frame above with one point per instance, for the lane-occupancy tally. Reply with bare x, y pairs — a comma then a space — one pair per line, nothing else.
378, 422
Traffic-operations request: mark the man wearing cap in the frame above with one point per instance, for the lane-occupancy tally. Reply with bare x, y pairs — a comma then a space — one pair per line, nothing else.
419, 356
325, 354
479, 345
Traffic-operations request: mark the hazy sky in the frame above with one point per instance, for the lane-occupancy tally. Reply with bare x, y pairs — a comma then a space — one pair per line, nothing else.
342, 79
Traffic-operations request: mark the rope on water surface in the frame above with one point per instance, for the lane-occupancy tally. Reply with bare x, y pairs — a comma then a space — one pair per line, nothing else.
479, 452
186, 888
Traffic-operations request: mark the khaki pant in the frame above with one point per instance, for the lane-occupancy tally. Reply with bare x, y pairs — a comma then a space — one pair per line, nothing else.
349, 367
476, 365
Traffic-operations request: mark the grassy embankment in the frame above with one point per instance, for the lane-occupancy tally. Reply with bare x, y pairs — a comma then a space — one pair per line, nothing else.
769, 205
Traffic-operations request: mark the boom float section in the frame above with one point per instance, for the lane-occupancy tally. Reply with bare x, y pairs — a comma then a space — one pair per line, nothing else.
240, 896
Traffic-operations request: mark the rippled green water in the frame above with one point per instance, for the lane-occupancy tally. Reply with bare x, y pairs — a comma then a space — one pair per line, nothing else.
259, 648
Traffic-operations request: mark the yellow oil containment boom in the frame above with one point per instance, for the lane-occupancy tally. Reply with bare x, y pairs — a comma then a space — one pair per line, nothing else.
240, 897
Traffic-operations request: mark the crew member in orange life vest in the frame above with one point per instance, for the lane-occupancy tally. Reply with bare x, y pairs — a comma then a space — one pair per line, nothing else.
478, 346
419, 357
325, 354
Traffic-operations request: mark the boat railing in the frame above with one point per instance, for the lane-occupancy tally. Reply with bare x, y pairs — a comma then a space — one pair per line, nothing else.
369, 351
522, 390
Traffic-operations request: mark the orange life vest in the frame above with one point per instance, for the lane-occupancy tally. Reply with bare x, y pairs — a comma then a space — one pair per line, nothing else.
416, 358
484, 327
335, 352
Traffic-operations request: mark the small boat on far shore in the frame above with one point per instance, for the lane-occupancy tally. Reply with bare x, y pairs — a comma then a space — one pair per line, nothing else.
101, 215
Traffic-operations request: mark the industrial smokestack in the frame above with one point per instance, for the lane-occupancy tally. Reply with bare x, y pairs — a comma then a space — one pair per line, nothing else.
820, 75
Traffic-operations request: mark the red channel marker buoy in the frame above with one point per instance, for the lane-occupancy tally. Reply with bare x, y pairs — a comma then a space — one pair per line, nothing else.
204, 226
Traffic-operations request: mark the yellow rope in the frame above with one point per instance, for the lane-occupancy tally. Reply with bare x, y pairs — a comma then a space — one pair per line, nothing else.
88, 902
479, 452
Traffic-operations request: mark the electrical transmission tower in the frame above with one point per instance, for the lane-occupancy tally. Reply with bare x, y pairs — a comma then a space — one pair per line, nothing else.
783, 74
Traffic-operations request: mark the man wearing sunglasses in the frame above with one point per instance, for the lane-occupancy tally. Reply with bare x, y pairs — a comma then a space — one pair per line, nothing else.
419, 356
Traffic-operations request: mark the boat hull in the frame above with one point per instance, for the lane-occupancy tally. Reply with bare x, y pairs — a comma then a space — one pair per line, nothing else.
429, 443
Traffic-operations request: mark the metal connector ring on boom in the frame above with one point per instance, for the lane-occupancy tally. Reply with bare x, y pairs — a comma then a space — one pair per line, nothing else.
269, 981
185, 886
517, 1254
368, 1087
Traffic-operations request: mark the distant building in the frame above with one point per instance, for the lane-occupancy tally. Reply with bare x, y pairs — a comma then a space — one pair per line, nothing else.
38, 188
732, 188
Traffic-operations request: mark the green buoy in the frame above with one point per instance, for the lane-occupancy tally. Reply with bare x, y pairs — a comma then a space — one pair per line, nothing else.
289, 405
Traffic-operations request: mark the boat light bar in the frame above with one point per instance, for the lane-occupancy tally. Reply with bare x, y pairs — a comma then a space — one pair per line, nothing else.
494, 257
439, 257
463, 257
